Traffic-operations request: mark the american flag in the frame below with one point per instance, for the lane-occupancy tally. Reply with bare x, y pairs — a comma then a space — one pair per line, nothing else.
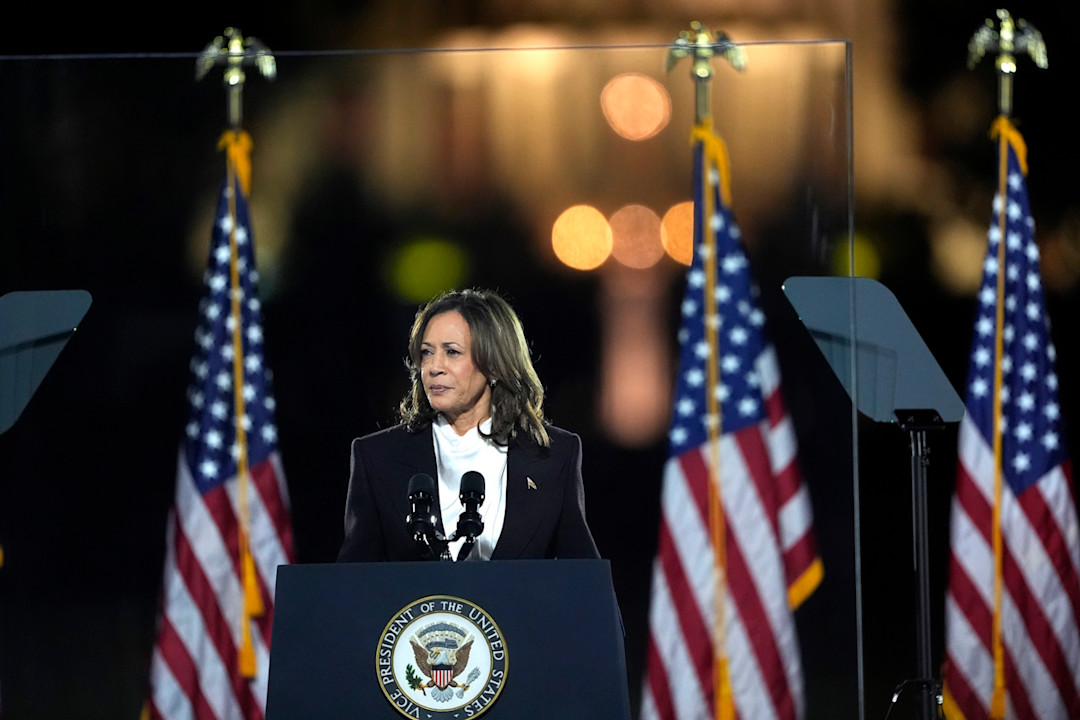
1013, 603
230, 527
736, 549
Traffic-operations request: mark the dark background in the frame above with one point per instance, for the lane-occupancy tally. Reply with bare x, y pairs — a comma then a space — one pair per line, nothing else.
86, 473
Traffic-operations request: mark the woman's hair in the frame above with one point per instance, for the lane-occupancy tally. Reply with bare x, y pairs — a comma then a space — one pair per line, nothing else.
499, 351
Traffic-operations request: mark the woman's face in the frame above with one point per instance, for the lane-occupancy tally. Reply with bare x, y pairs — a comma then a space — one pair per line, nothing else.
454, 385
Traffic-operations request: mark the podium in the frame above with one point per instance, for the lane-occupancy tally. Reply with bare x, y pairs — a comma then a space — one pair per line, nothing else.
499, 639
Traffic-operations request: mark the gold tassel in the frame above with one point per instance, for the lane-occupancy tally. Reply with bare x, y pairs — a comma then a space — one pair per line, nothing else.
1006, 134
237, 144
1001, 127
997, 704
715, 152
246, 655
253, 604
725, 703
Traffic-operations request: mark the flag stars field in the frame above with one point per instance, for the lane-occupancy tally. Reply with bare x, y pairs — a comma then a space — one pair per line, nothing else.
218, 282
1023, 432
722, 392
748, 407
677, 435
209, 469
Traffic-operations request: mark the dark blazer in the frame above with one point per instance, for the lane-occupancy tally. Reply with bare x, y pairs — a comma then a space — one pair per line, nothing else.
544, 519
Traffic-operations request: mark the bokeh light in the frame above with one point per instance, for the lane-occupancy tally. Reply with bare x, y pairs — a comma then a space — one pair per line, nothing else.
581, 237
635, 106
867, 258
635, 233
957, 251
424, 267
677, 232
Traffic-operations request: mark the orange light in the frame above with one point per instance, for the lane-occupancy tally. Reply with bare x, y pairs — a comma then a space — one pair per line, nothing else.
677, 232
581, 237
635, 231
636, 106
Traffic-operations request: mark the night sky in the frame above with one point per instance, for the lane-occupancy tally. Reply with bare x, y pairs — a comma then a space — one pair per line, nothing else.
97, 191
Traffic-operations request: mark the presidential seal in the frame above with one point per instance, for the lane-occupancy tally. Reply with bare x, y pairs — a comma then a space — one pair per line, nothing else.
441, 657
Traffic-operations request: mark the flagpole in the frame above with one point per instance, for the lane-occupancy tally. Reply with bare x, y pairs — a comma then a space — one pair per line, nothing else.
1009, 38
700, 45
234, 51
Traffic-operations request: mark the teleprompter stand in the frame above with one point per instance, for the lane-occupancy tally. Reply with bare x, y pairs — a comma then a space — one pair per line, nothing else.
890, 374
34, 327
555, 623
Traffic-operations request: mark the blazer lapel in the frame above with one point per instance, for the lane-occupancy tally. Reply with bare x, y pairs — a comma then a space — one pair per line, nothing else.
414, 454
530, 489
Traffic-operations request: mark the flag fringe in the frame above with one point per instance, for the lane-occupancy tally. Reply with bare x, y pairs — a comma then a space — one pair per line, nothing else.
950, 707
806, 583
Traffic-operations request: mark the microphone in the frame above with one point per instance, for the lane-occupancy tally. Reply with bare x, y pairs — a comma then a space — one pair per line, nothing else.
421, 521
470, 524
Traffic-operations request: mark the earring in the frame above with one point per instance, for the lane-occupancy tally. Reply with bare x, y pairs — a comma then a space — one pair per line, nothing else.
493, 382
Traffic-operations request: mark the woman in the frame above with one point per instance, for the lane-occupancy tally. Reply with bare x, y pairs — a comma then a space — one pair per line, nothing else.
475, 406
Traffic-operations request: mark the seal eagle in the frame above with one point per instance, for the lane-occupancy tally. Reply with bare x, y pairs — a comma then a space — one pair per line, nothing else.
441, 658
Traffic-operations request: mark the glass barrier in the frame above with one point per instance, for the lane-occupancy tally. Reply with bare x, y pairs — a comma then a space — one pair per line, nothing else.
562, 177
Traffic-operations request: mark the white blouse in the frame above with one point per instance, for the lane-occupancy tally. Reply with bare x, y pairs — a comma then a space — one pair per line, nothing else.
456, 455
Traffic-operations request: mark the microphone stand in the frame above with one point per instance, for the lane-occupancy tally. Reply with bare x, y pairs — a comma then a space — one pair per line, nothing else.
423, 525
437, 545
463, 553
469, 526
470, 522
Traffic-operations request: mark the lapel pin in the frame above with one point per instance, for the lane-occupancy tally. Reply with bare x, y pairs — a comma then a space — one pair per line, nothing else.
532, 485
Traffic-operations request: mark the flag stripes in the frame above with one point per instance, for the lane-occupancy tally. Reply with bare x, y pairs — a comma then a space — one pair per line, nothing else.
1041, 652
760, 620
